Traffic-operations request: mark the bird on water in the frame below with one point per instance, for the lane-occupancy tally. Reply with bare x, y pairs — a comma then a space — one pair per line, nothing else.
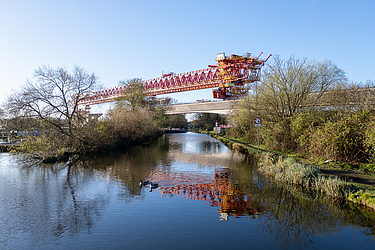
144, 183
148, 184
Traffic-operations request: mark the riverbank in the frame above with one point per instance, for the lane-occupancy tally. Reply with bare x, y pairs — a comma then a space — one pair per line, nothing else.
352, 185
8, 146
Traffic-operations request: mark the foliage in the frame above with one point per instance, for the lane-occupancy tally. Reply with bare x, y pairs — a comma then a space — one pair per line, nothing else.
354, 96
177, 121
300, 177
278, 136
369, 139
121, 128
294, 86
160, 117
289, 87
343, 140
133, 96
206, 121
302, 127
363, 197
50, 105
309, 107
2, 112
290, 172
243, 121
43, 145
23, 124
159, 108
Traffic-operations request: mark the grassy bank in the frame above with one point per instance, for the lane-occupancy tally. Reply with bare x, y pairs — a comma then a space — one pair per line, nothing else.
291, 171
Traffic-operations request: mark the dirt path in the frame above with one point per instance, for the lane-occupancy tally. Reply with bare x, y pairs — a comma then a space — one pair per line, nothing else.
352, 175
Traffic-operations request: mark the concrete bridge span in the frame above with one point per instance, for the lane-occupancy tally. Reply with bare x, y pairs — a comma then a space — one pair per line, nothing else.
215, 107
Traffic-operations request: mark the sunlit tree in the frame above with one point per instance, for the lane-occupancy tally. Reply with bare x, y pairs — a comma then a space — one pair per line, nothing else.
53, 97
294, 86
207, 121
133, 96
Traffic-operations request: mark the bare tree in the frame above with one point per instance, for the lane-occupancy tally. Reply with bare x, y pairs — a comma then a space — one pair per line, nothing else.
295, 85
365, 95
354, 96
2, 119
53, 97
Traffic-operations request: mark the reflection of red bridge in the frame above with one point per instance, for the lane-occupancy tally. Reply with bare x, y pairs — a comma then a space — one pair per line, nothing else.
222, 193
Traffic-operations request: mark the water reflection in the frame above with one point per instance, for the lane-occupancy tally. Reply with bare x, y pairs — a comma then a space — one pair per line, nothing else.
193, 144
38, 202
54, 205
238, 190
220, 192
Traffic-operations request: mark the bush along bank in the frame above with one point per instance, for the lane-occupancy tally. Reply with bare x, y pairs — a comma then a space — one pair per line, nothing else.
303, 177
343, 139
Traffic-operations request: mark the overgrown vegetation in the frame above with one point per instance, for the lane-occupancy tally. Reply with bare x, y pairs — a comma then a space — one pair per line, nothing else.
207, 121
310, 109
50, 105
305, 177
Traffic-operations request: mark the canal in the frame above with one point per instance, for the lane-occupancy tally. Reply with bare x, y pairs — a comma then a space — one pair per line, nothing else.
208, 197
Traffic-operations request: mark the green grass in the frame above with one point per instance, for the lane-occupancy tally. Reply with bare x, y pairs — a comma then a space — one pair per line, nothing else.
364, 196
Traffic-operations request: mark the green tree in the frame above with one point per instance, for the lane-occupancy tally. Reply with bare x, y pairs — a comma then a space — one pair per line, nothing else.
207, 120
125, 125
177, 121
243, 118
288, 88
159, 107
133, 96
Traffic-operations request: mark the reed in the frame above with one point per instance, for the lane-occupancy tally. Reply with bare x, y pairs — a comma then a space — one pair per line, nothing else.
290, 172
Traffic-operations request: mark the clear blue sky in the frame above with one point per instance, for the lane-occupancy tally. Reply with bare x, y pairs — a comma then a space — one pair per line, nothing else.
126, 39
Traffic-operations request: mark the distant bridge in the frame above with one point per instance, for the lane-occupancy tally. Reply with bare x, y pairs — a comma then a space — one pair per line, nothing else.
214, 107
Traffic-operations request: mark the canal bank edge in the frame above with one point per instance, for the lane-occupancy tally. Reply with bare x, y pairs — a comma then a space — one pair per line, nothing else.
365, 195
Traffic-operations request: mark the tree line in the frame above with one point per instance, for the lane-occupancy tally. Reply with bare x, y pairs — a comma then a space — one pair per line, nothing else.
309, 108
50, 104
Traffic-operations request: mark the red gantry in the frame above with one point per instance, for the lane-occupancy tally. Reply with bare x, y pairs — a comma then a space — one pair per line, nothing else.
229, 75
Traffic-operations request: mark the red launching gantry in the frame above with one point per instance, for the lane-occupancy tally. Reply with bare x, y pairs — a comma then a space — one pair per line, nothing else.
230, 75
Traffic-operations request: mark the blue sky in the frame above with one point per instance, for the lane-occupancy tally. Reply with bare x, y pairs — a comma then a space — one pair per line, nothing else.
126, 39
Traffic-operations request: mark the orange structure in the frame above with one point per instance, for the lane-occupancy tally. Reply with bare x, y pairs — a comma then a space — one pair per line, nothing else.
218, 191
230, 75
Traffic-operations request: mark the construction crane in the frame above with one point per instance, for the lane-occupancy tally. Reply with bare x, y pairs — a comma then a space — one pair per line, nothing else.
229, 75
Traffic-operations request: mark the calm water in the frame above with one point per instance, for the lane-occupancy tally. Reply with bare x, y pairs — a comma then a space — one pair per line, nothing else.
208, 198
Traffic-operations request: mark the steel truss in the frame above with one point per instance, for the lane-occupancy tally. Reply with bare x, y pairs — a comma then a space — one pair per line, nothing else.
230, 74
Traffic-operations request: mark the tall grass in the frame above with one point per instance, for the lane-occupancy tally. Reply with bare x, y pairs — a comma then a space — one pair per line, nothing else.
290, 172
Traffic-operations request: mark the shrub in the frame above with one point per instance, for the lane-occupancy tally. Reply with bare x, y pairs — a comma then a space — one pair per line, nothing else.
369, 141
278, 136
343, 140
292, 173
